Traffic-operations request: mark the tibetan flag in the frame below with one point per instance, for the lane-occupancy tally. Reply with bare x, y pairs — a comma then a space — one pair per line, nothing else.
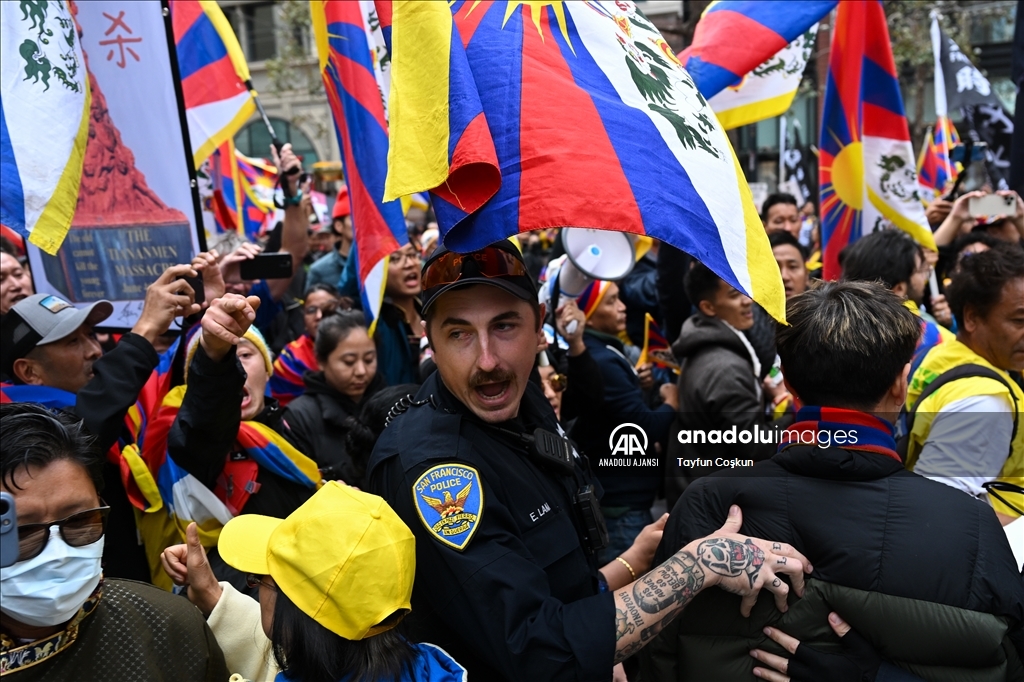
769, 89
257, 180
260, 176
656, 348
44, 120
528, 116
354, 64
297, 358
227, 188
935, 172
867, 170
734, 37
214, 75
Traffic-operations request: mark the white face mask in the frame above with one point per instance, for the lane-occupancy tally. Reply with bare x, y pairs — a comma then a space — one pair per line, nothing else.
50, 588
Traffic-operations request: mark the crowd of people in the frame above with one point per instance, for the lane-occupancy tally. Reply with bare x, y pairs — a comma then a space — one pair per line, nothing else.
419, 498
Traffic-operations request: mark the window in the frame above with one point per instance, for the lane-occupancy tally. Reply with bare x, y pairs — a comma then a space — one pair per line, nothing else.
259, 31
254, 140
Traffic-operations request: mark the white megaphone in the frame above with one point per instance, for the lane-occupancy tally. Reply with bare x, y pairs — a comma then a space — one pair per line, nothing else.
590, 254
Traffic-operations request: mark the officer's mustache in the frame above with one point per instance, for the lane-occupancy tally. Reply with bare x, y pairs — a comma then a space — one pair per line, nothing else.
495, 376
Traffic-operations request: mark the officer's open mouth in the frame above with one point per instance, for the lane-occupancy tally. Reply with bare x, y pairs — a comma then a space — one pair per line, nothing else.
492, 392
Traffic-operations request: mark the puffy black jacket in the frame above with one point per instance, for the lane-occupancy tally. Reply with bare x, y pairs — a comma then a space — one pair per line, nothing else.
921, 570
316, 426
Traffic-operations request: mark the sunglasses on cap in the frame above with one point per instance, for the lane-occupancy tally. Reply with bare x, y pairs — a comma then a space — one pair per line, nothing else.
490, 262
77, 530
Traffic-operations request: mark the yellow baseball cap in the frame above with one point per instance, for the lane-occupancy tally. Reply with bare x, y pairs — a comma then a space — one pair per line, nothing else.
344, 558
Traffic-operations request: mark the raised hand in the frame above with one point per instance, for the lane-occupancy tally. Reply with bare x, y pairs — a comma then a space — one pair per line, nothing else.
205, 263
187, 565
231, 263
226, 322
166, 298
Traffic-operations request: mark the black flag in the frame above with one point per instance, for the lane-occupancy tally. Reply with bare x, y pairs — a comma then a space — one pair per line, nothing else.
795, 171
969, 90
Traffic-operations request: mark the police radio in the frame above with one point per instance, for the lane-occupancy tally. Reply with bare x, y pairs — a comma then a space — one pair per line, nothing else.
555, 451
588, 508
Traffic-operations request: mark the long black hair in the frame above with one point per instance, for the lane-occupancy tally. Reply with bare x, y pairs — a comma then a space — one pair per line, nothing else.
309, 652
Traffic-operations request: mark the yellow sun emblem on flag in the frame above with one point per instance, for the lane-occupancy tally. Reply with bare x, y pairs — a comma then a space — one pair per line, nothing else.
536, 7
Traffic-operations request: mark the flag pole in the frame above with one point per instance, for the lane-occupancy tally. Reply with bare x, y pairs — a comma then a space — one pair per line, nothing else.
278, 145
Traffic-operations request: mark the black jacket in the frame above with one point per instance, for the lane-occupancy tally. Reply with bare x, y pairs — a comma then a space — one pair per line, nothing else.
102, 404
315, 425
204, 433
921, 570
623, 403
717, 390
520, 600
639, 291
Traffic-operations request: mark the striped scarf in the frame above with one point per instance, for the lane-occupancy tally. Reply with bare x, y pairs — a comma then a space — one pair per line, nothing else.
846, 429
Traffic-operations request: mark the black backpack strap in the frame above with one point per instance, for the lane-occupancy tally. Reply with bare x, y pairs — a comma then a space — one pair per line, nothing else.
964, 372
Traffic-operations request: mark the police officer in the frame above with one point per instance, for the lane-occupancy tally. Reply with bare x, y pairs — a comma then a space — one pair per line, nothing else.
505, 512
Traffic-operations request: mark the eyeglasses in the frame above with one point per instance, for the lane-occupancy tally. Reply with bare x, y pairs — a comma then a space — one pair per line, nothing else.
489, 262
252, 581
399, 257
323, 310
558, 382
77, 530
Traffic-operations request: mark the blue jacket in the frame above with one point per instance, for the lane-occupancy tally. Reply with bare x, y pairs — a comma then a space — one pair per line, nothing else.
432, 664
327, 270
623, 402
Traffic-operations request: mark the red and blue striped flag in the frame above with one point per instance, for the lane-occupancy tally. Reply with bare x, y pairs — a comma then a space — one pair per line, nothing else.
297, 358
214, 75
352, 62
935, 172
733, 37
526, 116
867, 167
227, 190
257, 180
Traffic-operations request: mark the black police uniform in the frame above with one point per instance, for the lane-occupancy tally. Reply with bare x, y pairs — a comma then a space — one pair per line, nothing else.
520, 600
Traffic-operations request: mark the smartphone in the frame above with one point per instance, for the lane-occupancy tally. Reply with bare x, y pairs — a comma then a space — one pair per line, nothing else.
197, 286
8, 531
992, 204
267, 266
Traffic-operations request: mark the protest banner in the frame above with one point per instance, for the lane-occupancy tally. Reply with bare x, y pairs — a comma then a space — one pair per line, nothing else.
138, 207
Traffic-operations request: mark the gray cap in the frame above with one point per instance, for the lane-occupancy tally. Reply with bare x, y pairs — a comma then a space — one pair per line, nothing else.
44, 318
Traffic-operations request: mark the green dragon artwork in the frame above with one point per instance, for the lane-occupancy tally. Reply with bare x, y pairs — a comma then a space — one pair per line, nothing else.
38, 65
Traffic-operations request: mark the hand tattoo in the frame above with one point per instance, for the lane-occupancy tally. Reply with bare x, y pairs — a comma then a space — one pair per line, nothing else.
731, 558
676, 581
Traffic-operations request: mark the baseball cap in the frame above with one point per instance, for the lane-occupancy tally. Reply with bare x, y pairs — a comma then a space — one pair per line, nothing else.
500, 264
344, 558
341, 204
44, 318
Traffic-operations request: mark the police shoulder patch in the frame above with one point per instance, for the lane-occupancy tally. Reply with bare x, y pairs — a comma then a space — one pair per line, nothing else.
450, 501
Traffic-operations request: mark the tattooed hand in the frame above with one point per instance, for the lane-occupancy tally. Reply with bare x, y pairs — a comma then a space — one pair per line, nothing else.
743, 565
734, 562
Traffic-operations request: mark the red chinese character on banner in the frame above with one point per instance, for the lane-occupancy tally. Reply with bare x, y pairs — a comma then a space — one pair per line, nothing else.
119, 40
